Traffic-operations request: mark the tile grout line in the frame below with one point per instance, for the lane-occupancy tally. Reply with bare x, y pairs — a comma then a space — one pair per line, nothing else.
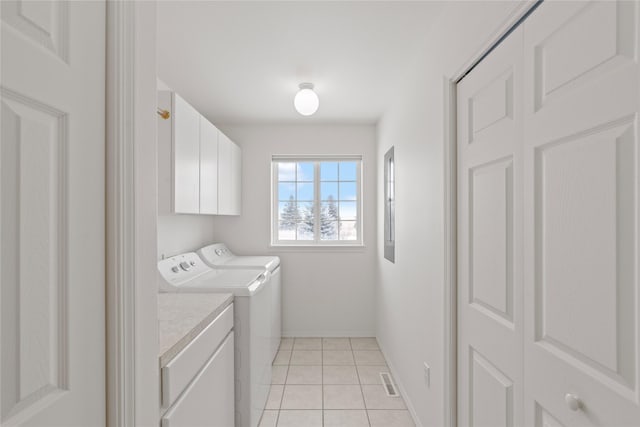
366, 411
286, 377
284, 386
322, 376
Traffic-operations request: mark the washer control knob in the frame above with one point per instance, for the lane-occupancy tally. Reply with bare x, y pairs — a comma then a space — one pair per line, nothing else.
218, 252
175, 269
572, 401
185, 265
192, 263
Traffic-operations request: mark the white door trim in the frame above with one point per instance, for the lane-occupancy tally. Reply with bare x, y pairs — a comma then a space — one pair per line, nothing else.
120, 215
132, 364
521, 10
450, 250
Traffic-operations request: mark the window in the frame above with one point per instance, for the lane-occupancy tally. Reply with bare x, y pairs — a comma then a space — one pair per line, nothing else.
316, 200
389, 207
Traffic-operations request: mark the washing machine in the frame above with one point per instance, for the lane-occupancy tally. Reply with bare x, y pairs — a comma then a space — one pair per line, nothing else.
218, 256
252, 323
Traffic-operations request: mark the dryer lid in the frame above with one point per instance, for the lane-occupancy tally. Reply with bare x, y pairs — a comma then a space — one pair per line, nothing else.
218, 255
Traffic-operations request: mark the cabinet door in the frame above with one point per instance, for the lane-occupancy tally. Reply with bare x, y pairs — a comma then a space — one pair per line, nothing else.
208, 167
236, 180
225, 184
186, 157
209, 400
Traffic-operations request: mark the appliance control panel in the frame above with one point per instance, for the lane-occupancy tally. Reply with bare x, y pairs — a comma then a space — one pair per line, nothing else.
180, 269
216, 253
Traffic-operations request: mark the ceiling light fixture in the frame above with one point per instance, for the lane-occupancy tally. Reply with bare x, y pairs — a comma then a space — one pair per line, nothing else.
306, 100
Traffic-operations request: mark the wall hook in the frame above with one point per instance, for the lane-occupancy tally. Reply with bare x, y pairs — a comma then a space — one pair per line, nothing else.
164, 113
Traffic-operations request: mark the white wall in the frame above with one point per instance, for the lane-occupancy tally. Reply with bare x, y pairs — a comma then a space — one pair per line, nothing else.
326, 292
183, 233
410, 293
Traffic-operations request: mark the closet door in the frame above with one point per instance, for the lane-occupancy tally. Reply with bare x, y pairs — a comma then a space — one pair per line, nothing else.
581, 214
490, 240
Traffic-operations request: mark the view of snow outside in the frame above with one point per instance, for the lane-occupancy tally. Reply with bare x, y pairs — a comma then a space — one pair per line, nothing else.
337, 200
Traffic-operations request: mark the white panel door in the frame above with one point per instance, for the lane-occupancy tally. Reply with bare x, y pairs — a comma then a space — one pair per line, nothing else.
489, 240
208, 167
186, 157
582, 98
52, 180
225, 180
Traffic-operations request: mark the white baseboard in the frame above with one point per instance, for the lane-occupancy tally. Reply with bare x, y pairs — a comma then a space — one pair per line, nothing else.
400, 386
328, 334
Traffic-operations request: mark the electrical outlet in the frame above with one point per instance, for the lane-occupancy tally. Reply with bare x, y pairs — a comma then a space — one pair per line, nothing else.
427, 375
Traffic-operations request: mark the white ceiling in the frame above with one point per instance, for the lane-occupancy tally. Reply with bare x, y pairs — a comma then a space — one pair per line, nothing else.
241, 62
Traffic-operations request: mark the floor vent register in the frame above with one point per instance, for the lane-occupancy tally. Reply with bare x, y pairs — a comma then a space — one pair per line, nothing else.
389, 386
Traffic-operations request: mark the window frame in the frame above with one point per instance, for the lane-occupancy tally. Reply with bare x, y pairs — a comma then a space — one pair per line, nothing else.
317, 242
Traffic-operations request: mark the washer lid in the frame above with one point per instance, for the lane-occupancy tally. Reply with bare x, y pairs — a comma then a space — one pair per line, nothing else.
237, 282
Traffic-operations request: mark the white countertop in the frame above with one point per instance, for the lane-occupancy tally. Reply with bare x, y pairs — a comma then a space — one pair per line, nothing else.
182, 316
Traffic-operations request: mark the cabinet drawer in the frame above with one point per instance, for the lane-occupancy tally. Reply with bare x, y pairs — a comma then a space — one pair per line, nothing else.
209, 399
180, 371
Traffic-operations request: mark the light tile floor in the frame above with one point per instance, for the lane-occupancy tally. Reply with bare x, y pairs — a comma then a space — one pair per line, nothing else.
331, 382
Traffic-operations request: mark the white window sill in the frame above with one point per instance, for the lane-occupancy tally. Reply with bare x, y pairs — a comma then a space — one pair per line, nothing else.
317, 248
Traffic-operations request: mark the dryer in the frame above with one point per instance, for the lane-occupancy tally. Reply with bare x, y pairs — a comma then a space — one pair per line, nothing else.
252, 323
219, 256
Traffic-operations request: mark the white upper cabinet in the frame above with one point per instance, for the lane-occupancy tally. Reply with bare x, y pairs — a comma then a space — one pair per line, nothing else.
224, 174
229, 176
236, 179
198, 166
186, 157
208, 167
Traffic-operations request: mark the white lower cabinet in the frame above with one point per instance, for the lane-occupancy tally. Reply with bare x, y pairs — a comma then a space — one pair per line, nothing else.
198, 384
209, 399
